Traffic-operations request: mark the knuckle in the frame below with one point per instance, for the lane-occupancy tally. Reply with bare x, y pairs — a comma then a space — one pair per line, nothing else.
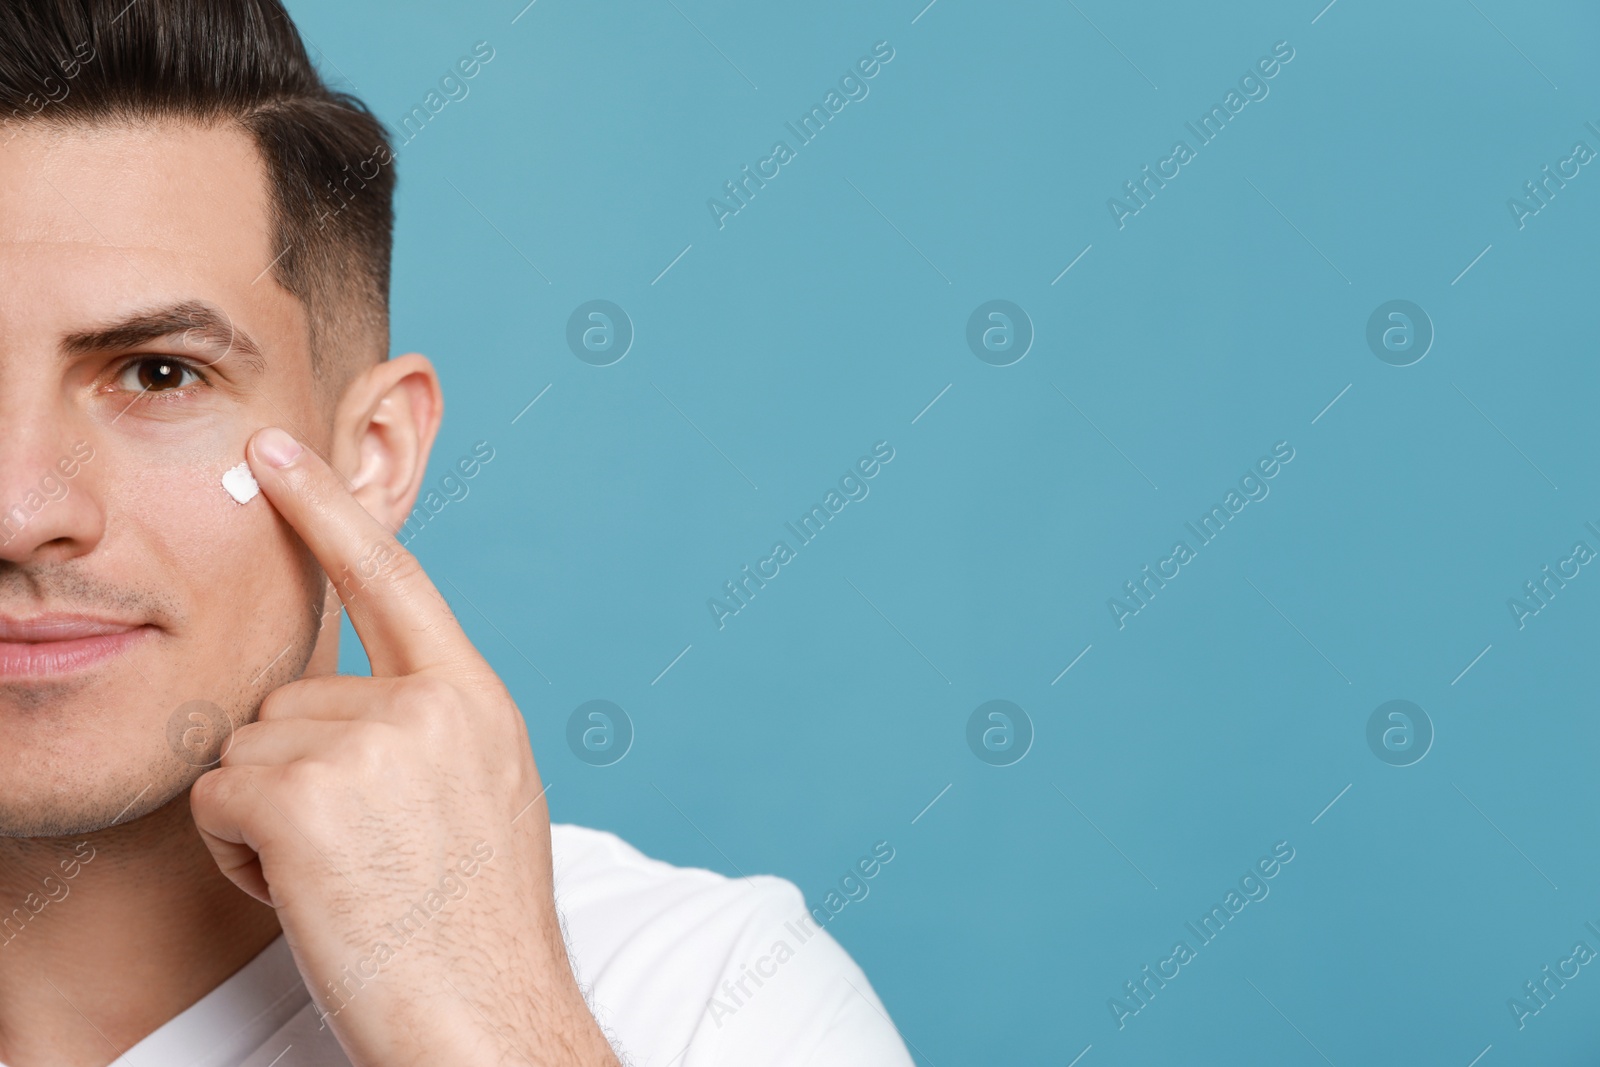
388, 559
426, 697
302, 796
371, 749
239, 742
279, 703
401, 560
207, 793
516, 777
299, 783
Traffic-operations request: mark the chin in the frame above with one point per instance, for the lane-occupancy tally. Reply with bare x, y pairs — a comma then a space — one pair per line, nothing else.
80, 816
80, 785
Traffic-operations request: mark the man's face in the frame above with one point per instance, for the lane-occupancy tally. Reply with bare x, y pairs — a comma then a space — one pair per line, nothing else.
131, 583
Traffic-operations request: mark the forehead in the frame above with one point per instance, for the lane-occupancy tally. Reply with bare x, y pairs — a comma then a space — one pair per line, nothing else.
98, 220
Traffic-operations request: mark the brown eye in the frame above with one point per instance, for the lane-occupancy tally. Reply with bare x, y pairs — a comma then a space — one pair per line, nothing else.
156, 375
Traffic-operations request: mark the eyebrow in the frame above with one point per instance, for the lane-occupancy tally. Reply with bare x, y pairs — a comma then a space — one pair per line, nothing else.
145, 327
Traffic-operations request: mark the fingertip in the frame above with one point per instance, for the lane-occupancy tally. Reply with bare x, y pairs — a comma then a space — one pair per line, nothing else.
275, 447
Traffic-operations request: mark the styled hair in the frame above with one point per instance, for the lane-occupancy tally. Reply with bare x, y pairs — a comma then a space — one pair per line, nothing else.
329, 161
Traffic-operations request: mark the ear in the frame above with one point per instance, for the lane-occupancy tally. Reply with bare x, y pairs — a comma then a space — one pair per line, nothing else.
384, 427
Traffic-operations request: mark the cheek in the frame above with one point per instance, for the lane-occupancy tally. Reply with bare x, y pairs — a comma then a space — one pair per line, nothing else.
170, 488
234, 567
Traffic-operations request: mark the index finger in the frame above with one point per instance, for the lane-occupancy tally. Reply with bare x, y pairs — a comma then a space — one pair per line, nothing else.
398, 613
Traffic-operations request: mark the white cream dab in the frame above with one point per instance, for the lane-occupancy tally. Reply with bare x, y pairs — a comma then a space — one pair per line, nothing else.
240, 483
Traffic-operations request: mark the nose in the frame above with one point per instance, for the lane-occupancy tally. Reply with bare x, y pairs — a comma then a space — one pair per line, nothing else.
47, 512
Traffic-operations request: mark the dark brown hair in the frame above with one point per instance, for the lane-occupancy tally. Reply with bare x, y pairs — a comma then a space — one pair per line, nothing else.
65, 62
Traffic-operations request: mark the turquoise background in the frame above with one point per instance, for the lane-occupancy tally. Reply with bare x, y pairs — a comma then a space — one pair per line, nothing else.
1223, 318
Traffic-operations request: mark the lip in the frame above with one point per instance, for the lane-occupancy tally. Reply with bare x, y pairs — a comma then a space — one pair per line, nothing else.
56, 644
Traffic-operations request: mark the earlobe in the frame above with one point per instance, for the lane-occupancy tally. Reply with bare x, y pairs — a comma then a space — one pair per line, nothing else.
385, 427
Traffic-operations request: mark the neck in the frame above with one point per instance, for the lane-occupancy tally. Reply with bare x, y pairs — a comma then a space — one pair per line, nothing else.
105, 937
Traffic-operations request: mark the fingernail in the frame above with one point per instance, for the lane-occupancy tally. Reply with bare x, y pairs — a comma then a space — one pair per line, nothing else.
276, 447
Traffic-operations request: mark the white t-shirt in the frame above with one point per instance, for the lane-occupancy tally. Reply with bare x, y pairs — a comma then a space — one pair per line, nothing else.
682, 968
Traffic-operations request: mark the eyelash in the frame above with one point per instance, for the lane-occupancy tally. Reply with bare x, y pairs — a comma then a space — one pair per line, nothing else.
153, 395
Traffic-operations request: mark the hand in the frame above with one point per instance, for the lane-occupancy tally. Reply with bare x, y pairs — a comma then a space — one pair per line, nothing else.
396, 822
